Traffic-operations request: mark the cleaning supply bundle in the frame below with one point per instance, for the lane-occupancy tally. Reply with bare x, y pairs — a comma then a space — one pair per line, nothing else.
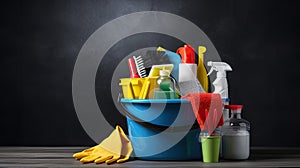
146, 119
169, 73
115, 148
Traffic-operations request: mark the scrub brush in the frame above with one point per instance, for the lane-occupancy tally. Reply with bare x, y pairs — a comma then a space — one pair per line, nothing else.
139, 63
151, 57
154, 57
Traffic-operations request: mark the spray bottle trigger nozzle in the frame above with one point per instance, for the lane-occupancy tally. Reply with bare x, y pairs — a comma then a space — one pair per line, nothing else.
211, 70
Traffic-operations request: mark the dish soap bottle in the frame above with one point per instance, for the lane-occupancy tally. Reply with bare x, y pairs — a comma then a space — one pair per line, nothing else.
236, 136
165, 86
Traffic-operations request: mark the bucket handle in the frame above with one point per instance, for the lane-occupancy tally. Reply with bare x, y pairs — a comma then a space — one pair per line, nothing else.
150, 125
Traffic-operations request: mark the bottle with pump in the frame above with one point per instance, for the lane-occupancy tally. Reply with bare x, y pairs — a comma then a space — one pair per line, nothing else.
236, 136
220, 84
165, 86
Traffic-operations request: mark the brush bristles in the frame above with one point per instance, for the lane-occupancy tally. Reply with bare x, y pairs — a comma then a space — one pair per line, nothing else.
154, 57
139, 63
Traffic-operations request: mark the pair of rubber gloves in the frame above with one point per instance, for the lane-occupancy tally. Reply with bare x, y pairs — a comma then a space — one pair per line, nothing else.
115, 148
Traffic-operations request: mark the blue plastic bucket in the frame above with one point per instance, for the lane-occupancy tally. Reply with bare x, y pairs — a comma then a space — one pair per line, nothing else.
163, 129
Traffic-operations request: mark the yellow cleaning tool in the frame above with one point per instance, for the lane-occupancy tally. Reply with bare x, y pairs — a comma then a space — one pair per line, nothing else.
159, 48
156, 68
127, 88
145, 89
115, 148
201, 71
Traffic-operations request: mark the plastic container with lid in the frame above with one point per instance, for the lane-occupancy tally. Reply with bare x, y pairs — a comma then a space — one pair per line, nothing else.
236, 135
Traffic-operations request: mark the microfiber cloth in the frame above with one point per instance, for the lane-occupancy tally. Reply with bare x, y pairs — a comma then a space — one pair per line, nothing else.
207, 108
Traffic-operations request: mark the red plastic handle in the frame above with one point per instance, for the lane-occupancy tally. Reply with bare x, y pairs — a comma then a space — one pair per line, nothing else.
132, 68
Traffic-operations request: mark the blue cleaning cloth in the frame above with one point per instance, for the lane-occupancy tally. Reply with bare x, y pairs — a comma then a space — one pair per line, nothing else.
174, 59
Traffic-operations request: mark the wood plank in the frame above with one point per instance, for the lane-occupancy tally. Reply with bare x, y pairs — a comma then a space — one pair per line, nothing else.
62, 157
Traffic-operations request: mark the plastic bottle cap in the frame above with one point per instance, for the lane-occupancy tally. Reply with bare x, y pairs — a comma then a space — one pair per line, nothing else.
226, 100
234, 107
164, 72
187, 54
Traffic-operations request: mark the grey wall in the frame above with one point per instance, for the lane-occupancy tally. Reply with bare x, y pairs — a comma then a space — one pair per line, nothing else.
40, 41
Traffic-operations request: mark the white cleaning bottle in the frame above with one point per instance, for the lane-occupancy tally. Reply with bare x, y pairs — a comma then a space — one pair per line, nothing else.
220, 84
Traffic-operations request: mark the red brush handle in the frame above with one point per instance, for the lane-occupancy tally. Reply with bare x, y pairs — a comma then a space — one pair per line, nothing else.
132, 68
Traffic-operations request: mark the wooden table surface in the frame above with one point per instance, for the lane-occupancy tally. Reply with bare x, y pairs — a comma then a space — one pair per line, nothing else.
62, 157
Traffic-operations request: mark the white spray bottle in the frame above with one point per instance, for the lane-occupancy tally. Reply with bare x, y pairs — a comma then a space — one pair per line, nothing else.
220, 84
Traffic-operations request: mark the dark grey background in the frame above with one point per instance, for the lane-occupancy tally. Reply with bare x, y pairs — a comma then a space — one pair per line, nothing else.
40, 41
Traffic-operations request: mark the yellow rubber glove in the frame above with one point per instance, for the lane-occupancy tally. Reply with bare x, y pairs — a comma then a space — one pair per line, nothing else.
115, 148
